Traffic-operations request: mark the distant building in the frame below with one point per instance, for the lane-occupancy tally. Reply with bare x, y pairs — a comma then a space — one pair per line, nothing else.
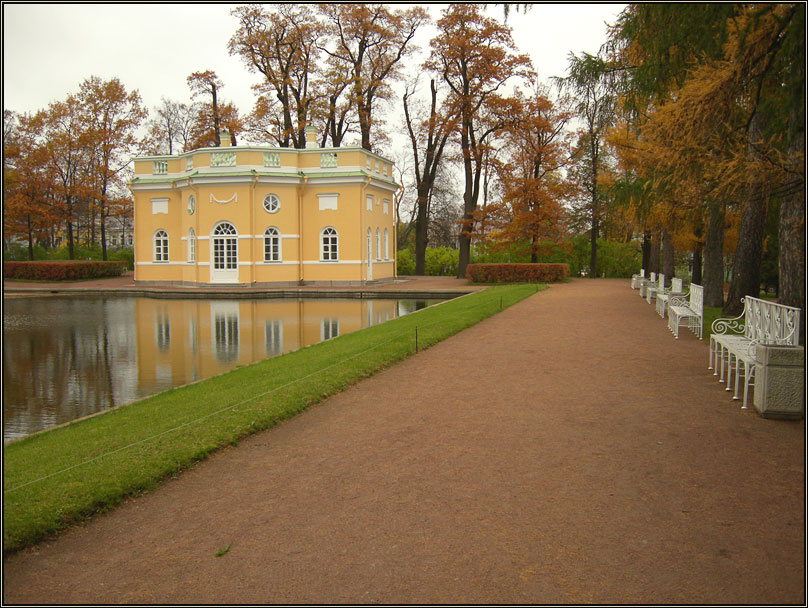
247, 215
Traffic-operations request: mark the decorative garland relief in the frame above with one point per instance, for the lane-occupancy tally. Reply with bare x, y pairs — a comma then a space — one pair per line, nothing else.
232, 199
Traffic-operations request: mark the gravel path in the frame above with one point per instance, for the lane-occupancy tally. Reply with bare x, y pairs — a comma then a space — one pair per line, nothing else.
567, 450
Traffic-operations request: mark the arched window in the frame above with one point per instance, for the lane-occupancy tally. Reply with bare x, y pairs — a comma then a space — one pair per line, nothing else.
329, 251
378, 246
191, 246
272, 245
386, 245
161, 246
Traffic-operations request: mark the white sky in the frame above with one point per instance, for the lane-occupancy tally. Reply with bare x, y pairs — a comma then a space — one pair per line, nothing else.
49, 49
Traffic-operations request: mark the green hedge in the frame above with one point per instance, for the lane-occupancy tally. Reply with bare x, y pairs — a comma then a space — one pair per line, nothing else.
517, 273
62, 271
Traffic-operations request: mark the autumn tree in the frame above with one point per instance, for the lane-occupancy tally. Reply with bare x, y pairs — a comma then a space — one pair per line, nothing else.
428, 135
370, 40
282, 46
63, 143
214, 115
653, 48
734, 99
111, 117
27, 185
536, 149
588, 81
475, 56
170, 129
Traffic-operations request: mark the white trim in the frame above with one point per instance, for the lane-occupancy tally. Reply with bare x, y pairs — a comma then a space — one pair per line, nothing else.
348, 262
283, 263
283, 236
161, 263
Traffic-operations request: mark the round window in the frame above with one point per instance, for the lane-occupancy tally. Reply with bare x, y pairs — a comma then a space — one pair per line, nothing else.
191, 205
271, 203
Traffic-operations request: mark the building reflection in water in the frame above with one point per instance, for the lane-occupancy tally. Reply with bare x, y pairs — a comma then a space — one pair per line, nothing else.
69, 357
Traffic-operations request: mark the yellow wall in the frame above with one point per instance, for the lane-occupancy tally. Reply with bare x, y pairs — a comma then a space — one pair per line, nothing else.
236, 193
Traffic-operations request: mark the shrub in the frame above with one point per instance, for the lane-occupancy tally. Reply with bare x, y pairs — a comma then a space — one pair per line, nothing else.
62, 271
441, 262
517, 273
405, 263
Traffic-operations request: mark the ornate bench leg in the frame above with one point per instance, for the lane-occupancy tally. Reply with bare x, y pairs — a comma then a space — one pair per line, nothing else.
712, 346
749, 373
729, 371
738, 377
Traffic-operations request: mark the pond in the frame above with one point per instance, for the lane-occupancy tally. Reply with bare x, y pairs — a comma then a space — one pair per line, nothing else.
66, 357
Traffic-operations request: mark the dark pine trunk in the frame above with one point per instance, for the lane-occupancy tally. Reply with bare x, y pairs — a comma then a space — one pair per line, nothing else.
714, 257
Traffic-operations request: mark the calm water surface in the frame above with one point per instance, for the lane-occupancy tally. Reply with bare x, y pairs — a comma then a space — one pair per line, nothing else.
66, 357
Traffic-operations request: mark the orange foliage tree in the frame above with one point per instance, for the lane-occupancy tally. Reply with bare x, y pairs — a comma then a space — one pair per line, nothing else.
212, 116
282, 46
369, 41
475, 56
535, 149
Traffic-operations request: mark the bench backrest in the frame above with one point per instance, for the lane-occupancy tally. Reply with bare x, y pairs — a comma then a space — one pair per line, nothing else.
676, 285
770, 323
661, 282
642, 272
696, 301
653, 277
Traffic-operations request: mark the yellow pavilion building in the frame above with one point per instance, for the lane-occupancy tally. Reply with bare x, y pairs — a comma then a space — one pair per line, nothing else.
264, 216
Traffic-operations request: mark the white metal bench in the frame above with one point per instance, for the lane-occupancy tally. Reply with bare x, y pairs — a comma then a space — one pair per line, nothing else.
646, 283
654, 290
636, 278
662, 298
761, 322
688, 309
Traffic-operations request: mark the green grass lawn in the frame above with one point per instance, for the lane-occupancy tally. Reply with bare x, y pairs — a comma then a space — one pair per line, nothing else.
55, 478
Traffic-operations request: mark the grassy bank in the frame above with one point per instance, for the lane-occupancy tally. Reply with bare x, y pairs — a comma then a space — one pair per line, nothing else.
60, 476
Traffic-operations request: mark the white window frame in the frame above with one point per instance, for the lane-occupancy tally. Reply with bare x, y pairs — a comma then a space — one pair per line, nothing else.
386, 245
160, 246
191, 246
272, 237
378, 246
272, 203
329, 250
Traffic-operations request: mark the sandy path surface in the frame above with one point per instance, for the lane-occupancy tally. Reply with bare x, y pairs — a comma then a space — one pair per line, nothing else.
566, 450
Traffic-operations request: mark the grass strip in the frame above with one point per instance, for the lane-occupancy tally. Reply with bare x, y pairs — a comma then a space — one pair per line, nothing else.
55, 478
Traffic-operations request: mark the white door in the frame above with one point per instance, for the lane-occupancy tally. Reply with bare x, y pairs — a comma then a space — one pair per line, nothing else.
224, 254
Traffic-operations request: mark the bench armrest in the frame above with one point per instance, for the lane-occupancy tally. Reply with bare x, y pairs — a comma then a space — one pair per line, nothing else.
735, 326
678, 300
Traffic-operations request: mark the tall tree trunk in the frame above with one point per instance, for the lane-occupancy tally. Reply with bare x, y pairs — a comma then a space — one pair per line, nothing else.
749, 251
714, 256
653, 257
646, 251
421, 232
748, 254
791, 232
698, 232
668, 267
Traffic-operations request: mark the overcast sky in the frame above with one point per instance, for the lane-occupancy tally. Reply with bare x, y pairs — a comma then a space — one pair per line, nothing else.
49, 49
